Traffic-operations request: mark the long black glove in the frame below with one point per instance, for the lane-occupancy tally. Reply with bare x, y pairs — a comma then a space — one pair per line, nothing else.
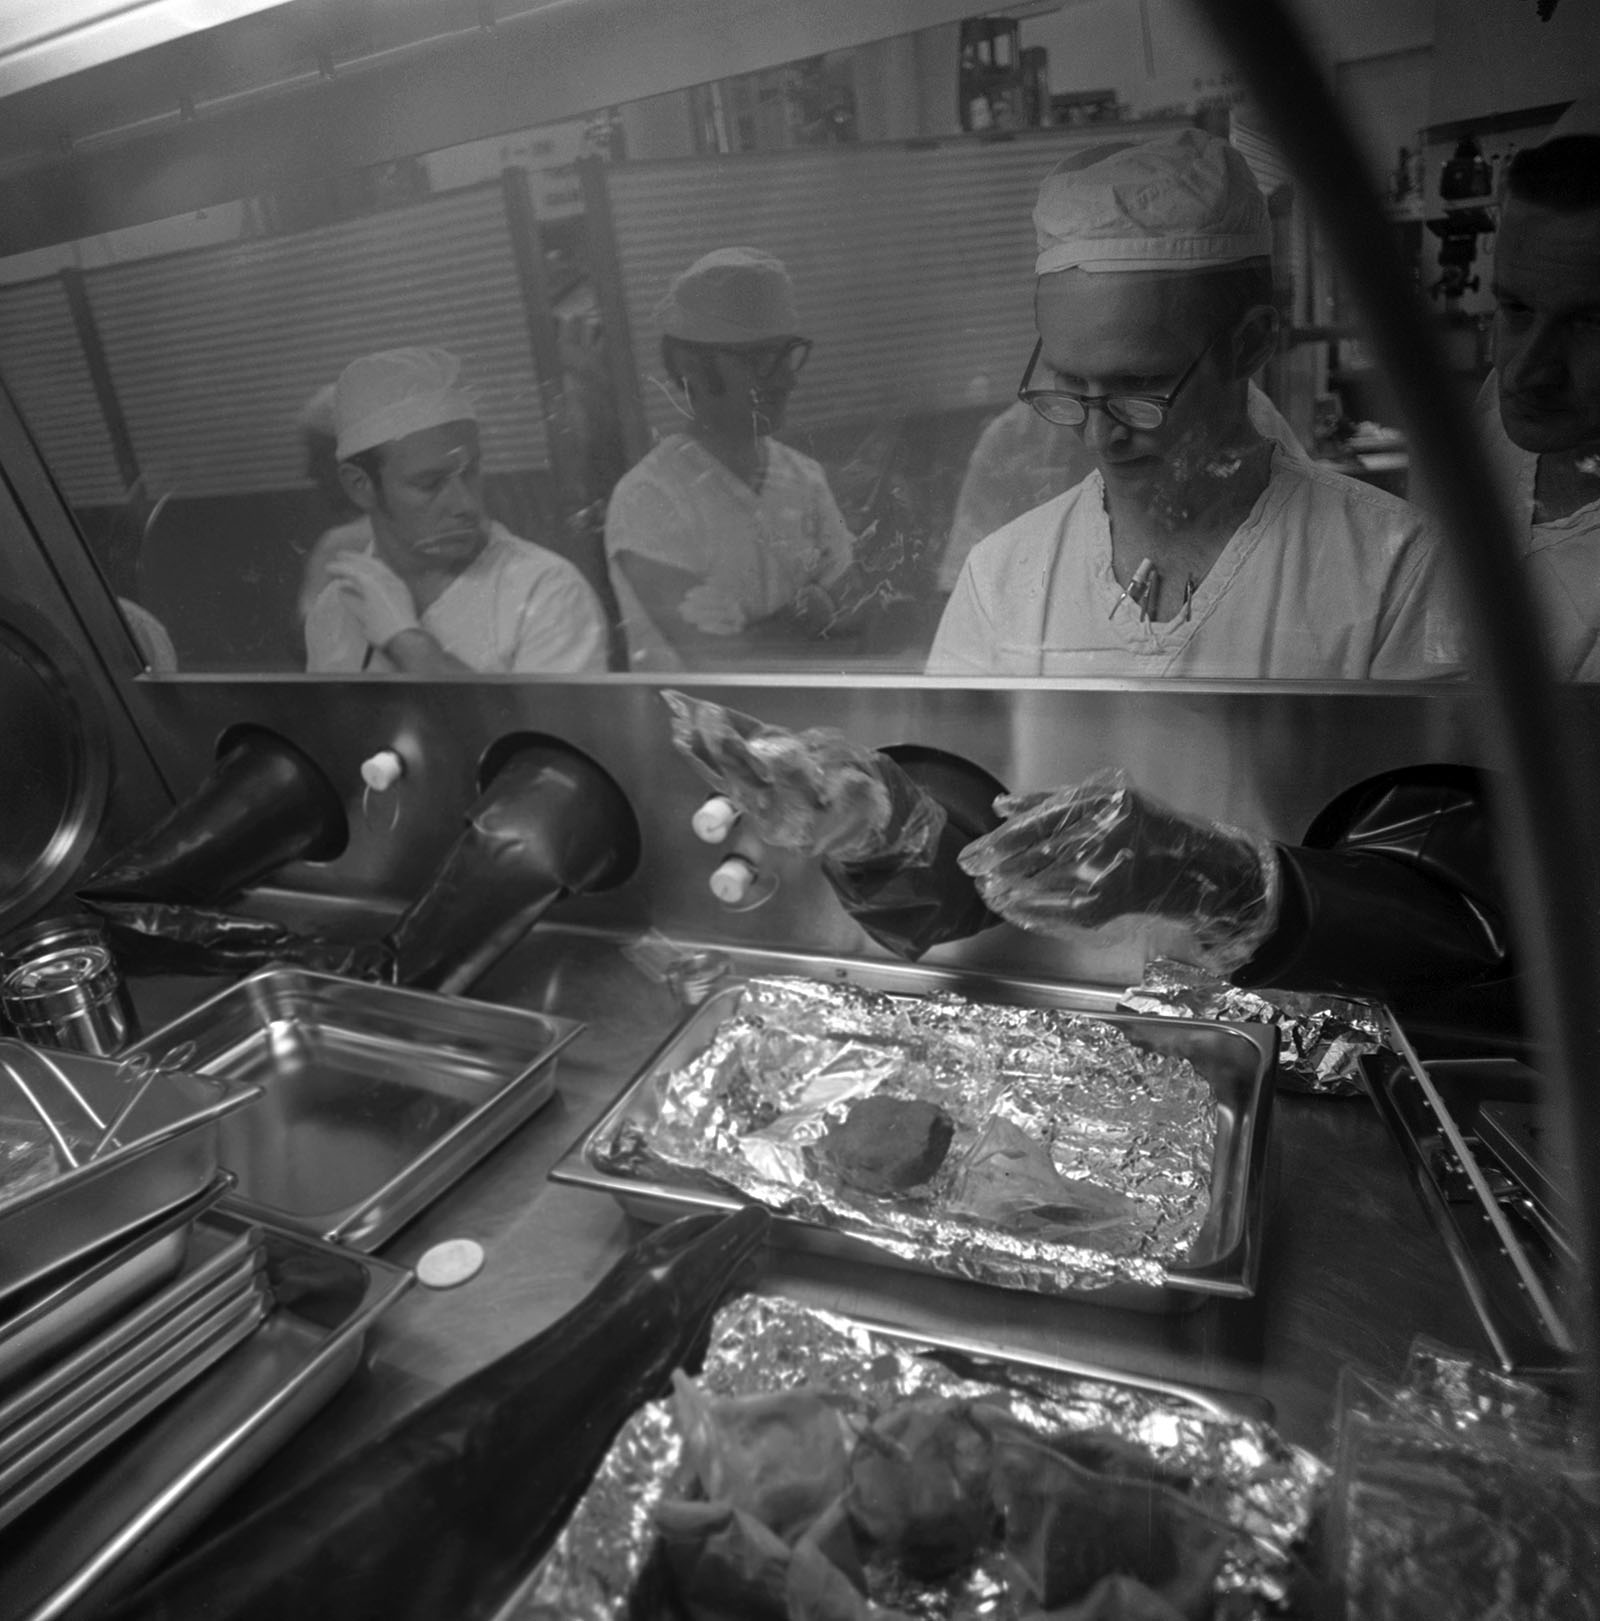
1396, 893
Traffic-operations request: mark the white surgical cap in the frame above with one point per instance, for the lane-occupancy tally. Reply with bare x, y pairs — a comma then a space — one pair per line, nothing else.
733, 295
399, 391
1185, 201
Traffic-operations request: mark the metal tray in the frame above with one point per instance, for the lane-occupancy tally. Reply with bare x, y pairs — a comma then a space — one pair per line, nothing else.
1239, 1061
98, 1535
1275, 1491
1521, 1340
374, 1099
173, 1159
66, 1308
216, 1272
58, 1456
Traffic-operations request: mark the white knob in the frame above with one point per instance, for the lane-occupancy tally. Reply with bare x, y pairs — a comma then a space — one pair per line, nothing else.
732, 882
383, 770
713, 822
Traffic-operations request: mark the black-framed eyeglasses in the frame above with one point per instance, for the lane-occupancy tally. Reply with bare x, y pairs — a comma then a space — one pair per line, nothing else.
767, 360
1069, 410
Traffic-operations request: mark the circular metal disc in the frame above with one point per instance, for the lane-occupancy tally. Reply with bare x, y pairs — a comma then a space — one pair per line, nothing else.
450, 1263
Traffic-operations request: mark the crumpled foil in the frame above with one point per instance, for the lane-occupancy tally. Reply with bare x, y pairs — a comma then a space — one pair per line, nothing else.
776, 1074
1463, 1492
1321, 1039
600, 1567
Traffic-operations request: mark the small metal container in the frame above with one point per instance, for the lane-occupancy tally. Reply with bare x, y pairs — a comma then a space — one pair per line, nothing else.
60, 987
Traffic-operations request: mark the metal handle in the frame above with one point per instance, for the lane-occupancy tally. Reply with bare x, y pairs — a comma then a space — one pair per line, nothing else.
47, 1119
46, 1062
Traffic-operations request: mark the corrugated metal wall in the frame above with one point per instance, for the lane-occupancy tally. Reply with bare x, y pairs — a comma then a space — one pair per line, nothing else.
213, 353
43, 365
913, 264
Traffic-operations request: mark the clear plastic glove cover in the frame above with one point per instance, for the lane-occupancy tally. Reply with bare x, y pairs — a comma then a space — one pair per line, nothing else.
814, 792
1096, 856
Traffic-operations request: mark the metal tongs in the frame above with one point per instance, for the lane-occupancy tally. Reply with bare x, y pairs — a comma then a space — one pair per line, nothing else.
141, 1072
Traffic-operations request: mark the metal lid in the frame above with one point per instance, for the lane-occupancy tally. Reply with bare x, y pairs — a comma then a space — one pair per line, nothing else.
65, 979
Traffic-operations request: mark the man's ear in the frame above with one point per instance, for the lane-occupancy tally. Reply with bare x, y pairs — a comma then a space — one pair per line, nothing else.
1254, 339
358, 485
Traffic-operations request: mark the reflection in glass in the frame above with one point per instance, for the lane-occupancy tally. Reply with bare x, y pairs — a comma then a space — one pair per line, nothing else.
165, 366
424, 582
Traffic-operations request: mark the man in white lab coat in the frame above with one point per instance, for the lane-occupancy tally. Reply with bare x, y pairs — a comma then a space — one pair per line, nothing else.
1198, 546
1539, 411
725, 546
438, 587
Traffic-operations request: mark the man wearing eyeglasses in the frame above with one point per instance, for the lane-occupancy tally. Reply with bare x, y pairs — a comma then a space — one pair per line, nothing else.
1197, 546
725, 546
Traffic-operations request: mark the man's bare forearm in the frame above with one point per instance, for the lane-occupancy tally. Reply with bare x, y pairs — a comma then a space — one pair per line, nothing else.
415, 652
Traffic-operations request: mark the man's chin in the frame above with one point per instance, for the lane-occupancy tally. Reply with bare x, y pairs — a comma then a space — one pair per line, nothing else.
1547, 433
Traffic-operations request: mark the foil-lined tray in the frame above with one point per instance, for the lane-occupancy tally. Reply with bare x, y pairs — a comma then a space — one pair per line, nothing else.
1173, 1113
603, 1567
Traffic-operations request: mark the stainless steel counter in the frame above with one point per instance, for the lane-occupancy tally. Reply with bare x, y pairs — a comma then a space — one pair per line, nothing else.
1352, 1270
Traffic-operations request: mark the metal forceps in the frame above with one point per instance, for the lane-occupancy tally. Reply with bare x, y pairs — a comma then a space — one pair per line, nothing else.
141, 1072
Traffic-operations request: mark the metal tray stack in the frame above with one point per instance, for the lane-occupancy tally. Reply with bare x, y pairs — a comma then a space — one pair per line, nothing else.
106, 1309
131, 1144
268, 1325
60, 1419
179, 1359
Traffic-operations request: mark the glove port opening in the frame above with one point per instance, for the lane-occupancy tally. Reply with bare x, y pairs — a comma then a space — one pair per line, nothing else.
966, 791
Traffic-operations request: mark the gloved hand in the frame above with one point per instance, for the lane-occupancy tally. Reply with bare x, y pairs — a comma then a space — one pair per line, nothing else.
814, 791
712, 609
375, 594
1084, 857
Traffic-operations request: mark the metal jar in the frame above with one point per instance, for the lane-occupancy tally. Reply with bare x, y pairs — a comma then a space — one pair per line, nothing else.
60, 987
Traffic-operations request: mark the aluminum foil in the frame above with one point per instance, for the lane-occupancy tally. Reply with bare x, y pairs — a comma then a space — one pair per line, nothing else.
1321, 1039
774, 1077
1463, 1491
600, 1568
